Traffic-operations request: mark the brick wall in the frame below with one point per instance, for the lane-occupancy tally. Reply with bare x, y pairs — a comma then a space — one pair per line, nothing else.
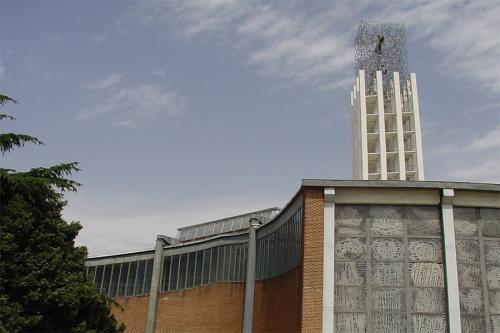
213, 308
134, 314
312, 287
277, 303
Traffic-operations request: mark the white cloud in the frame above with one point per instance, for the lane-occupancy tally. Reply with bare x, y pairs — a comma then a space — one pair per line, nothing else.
132, 107
2, 70
105, 82
159, 72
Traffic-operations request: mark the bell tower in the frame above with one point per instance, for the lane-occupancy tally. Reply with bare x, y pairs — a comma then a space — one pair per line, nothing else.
386, 135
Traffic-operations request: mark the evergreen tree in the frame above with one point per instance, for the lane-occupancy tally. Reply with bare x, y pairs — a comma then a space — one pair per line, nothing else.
43, 287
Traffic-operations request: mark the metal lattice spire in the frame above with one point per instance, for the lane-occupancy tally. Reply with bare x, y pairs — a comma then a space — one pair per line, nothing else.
381, 47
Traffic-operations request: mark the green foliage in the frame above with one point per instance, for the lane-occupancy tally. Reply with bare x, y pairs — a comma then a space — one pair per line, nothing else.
43, 287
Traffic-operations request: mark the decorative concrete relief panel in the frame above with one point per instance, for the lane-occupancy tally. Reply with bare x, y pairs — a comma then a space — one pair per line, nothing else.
350, 220
495, 302
425, 250
473, 324
428, 323
467, 250
387, 221
424, 221
388, 274
493, 276
387, 249
469, 275
465, 222
495, 324
492, 251
388, 323
350, 299
426, 275
388, 300
491, 222
350, 322
350, 273
350, 248
428, 300
471, 301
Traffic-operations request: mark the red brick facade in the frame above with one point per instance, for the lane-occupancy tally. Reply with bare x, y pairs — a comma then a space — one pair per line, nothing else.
134, 313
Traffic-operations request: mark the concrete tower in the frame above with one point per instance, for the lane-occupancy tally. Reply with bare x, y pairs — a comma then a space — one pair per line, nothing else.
386, 136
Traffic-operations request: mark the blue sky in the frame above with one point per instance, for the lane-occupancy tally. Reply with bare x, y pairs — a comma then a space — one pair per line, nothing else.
180, 112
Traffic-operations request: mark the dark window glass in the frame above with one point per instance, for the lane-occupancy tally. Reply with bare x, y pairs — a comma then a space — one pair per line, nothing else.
190, 270
113, 289
214, 264
98, 277
91, 273
199, 268
107, 279
141, 272
243, 270
131, 279
235, 263
166, 273
122, 288
174, 273
206, 266
182, 271
149, 274
220, 263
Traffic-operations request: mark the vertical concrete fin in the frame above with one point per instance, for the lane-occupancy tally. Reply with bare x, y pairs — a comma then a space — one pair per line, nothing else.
328, 260
418, 133
399, 127
250, 279
381, 126
155, 286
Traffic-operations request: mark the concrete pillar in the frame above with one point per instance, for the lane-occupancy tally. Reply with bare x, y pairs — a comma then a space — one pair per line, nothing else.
418, 134
328, 260
381, 126
399, 126
364, 130
450, 257
250, 278
155, 285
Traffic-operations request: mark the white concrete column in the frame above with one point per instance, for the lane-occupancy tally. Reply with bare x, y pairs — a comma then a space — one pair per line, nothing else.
364, 131
328, 260
250, 277
381, 126
450, 256
416, 120
399, 127
155, 285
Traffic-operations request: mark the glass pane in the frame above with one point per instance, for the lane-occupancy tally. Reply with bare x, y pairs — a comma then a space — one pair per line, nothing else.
220, 265
122, 288
98, 277
183, 234
132, 275
213, 264
149, 274
107, 279
235, 262
174, 273
182, 271
199, 268
206, 267
218, 228
227, 226
113, 289
91, 273
190, 270
165, 273
141, 272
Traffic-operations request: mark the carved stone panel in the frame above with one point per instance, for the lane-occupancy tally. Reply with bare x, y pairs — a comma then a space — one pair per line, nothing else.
350, 322
491, 222
388, 274
425, 250
495, 324
471, 300
469, 275
428, 323
350, 299
428, 300
387, 220
427, 275
350, 273
388, 300
465, 220
387, 249
350, 248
